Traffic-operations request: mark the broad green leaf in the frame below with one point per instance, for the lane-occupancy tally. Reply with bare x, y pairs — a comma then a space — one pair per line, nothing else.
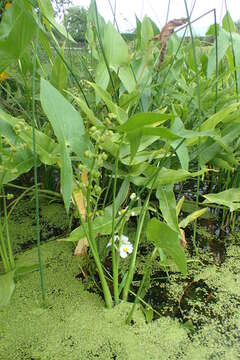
209, 150
223, 115
167, 205
45, 43
223, 44
115, 48
68, 127
46, 148
25, 62
59, 72
64, 118
141, 159
228, 23
143, 119
167, 239
189, 206
127, 78
221, 164
229, 198
21, 162
92, 21
194, 135
146, 33
162, 132
165, 176
182, 151
7, 287
79, 146
190, 218
171, 176
7, 131
17, 30
145, 142
138, 33
134, 138
49, 19
102, 75
128, 100
236, 47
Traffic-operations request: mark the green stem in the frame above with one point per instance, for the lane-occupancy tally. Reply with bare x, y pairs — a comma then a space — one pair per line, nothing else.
216, 41
92, 244
3, 252
6, 264
34, 122
199, 120
10, 251
135, 248
114, 255
233, 52
140, 293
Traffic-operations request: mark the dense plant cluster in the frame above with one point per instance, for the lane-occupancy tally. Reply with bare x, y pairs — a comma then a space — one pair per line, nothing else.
126, 125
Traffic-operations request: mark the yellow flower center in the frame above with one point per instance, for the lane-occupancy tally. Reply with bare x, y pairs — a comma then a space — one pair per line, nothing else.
122, 211
8, 5
125, 249
3, 76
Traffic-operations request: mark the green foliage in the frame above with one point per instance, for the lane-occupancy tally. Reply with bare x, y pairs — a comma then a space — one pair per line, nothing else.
49, 19
59, 73
229, 198
167, 239
68, 127
132, 128
75, 22
17, 30
167, 204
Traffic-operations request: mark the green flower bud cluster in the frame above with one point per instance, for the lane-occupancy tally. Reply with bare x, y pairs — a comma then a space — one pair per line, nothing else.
99, 213
20, 126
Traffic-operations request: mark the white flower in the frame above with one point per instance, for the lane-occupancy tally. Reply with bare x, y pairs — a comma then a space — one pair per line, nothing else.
125, 249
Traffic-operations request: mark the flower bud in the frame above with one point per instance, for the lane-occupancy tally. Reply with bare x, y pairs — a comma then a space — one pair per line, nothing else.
104, 156
97, 189
88, 154
133, 196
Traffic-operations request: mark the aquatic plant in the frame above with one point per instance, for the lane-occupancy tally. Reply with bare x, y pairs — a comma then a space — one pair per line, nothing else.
122, 138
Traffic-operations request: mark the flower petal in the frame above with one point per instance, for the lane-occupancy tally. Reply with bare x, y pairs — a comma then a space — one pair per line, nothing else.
130, 248
123, 253
124, 239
